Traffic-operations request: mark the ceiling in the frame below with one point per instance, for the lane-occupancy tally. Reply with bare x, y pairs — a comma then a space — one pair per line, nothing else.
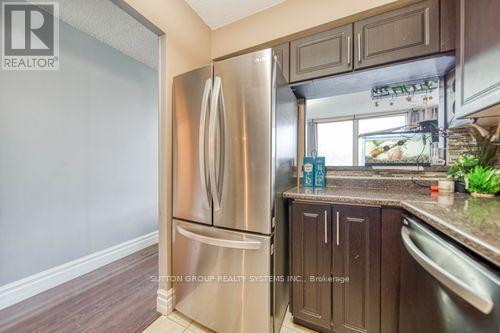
218, 13
109, 24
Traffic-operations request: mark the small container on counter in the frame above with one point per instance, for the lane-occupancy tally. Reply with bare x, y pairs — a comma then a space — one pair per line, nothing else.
319, 172
308, 171
446, 186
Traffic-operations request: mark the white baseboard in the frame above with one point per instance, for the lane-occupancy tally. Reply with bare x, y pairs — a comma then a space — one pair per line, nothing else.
165, 301
20, 290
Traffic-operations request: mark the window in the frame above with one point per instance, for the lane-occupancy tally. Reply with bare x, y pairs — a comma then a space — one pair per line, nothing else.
335, 139
332, 142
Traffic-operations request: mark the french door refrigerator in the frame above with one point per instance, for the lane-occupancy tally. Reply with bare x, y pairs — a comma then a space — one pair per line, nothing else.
234, 153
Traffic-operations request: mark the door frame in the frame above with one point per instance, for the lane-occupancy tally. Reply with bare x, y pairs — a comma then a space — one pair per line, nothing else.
164, 131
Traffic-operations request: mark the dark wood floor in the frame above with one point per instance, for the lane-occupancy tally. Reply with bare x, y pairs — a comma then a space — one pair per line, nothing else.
119, 297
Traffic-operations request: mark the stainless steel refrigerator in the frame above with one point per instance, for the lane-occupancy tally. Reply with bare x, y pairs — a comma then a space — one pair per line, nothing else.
234, 153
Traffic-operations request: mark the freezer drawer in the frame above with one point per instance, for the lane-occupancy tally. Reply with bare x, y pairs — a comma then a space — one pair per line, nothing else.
211, 255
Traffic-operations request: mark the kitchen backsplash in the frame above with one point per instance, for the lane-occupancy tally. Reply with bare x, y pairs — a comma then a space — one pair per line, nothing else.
459, 142
392, 180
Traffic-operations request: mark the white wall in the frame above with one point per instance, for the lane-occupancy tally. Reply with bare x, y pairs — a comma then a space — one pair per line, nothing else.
78, 156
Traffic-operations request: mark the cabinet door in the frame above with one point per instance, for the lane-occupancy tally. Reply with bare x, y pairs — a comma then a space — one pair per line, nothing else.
356, 252
403, 33
448, 22
390, 257
326, 53
282, 53
478, 54
311, 257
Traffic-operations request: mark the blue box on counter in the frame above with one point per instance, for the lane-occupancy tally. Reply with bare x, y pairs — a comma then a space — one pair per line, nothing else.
319, 172
308, 171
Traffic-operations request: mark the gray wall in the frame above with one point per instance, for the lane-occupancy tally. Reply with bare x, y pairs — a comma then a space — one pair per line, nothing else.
78, 156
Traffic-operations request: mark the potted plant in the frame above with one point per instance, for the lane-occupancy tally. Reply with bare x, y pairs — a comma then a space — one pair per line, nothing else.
483, 182
460, 168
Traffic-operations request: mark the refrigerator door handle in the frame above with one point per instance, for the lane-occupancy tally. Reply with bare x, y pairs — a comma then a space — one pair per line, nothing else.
212, 141
201, 151
220, 242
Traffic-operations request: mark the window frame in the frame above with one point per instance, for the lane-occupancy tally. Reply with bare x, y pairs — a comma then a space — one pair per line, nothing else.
355, 130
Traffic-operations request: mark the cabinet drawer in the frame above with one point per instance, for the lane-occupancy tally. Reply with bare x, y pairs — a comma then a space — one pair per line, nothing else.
326, 53
404, 33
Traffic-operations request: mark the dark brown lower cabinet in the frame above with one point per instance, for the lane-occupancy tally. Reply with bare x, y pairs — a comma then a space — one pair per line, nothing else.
336, 266
356, 257
311, 258
390, 266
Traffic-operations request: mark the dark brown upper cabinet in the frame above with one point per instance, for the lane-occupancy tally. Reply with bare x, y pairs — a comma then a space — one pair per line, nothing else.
478, 56
282, 54
326, 53
448, 24
356, 250
311, 256
404, 33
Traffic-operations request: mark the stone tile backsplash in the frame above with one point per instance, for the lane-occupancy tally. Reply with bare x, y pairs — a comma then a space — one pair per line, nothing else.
459, 141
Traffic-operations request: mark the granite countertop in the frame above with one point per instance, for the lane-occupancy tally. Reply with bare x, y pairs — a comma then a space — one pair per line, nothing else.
473, 222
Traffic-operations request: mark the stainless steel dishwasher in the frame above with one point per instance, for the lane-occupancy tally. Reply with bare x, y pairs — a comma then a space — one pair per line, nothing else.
444, 289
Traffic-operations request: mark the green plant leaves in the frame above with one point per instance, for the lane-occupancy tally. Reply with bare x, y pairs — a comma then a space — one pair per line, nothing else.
483, 180
461, 167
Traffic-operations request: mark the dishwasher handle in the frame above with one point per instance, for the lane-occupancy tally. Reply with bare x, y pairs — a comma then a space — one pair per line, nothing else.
482, 303
220, 242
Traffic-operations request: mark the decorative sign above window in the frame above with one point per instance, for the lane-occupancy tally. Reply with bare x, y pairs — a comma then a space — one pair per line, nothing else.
406, 89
